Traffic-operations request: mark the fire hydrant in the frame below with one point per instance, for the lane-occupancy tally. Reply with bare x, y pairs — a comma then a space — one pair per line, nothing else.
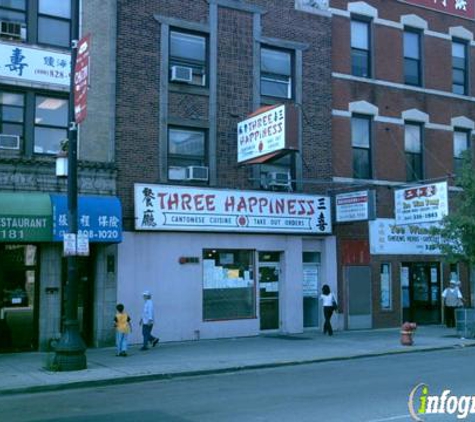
407, 330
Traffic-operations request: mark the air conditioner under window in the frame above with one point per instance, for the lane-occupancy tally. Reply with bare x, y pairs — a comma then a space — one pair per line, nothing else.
277, 178
182, 74
9, 141
13, 30
197, 173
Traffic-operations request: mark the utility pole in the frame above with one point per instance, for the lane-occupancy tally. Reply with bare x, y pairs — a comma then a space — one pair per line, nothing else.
70, 349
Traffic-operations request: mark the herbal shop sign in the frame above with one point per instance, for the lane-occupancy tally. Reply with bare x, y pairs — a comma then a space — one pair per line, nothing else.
164, 207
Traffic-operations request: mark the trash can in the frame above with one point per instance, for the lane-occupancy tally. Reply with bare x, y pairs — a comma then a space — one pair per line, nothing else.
465, 322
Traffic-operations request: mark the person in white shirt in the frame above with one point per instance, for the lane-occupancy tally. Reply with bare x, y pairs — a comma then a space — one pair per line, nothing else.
147, 321
329, 305
452, 297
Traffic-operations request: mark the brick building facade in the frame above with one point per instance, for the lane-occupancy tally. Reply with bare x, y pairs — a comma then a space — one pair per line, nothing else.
176, 134
403, 96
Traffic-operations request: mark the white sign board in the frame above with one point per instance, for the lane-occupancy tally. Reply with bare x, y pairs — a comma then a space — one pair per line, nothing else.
352, 206
388, 238
186, 208
421, 204
83, 244
261, 134
21, 63
69, 244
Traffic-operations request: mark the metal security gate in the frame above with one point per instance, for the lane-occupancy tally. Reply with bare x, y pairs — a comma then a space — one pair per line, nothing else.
358, 280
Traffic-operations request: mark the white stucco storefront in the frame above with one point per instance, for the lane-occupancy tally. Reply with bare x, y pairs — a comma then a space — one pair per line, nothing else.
215, 282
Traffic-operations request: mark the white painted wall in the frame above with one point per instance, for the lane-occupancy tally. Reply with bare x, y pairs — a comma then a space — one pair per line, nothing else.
150, 261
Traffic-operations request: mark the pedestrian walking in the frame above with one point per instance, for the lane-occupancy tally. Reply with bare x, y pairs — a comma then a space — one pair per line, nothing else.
147, 321
329, 306
453, 299
122, 330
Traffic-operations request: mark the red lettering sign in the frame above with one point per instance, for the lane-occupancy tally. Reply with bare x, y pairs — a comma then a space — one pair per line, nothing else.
81, 77
463, 8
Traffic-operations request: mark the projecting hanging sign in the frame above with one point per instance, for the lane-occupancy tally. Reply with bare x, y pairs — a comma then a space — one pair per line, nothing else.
183, 208
421, 204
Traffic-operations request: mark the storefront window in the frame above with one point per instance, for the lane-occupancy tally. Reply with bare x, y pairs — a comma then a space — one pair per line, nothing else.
386, 296
228, 284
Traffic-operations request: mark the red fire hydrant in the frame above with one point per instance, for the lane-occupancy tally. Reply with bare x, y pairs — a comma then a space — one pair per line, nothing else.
407, 330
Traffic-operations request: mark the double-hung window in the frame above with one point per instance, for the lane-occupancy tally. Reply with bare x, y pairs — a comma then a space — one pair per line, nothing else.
413, 151
188, 58
412, 58
12, 118
276, 73
187, 154
461, 144
36, 21
361, 144
360, 48
459, 68
51, 124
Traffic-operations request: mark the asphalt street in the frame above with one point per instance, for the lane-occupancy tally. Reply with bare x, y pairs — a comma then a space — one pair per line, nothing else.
363, 390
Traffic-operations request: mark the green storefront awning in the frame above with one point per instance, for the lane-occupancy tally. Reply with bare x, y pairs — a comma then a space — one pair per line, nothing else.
25, 217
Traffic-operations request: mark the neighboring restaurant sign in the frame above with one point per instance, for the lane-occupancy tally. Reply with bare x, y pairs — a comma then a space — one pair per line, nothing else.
421, 204
387, 238
267, 132
353, 206
20, 63
462, 8
100, 218
81, 78
183, 208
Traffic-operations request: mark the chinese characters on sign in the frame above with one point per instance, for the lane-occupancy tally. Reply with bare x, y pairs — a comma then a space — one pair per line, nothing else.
462, 8
34, 65
98, 218
161, 207
421, 204
81, 78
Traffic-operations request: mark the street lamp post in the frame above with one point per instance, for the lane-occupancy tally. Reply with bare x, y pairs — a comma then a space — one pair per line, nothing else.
70, 349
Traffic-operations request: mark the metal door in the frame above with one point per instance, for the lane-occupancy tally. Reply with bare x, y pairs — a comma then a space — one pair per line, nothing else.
269, 273
359, 297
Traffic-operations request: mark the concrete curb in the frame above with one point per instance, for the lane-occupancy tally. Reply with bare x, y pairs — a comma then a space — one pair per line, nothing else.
203, 372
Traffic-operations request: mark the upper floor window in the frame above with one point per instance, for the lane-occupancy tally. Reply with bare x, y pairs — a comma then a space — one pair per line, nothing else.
360, 49
276, 174
51, 123
459, 68
187, 155
12, 117
413, 151
50, 21
461, 144
276, 73
412, 58
361, 144
187, 58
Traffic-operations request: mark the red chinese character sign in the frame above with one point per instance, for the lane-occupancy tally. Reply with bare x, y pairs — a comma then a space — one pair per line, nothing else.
81, 77
462, 8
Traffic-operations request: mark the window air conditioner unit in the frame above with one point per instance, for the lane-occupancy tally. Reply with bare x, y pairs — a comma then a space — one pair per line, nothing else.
276, 178
198, 173
13, 30
182, 74
9, 141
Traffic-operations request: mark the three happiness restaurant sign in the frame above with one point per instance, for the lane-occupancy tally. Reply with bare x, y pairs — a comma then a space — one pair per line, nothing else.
184, 208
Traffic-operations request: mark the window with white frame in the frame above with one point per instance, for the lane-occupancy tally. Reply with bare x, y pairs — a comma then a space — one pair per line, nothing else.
361, 145
186, 153
51, 124
412, 58
413, 151
461, 144
459, 67
360, 48
188, 58
276, 73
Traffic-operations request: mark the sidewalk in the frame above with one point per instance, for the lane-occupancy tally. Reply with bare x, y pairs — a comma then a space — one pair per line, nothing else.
24, 372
